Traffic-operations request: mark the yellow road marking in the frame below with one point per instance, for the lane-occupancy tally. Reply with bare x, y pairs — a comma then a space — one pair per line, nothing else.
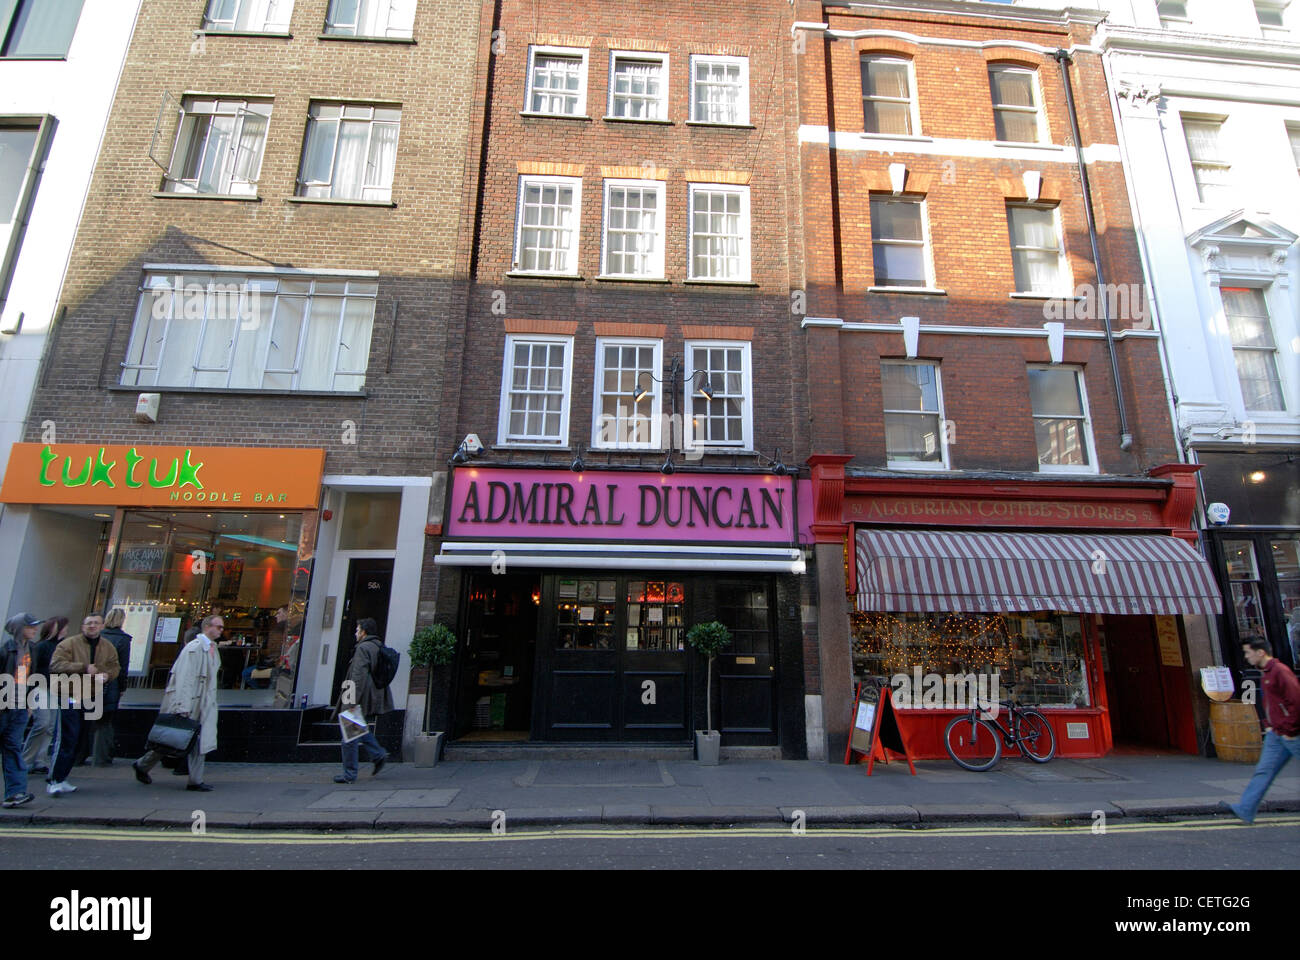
261, 838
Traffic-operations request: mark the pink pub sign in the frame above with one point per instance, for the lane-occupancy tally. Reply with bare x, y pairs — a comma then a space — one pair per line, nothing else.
633, 506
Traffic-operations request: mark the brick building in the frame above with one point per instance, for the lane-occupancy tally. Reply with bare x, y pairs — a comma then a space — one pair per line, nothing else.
980, 363
631, 373
239, 409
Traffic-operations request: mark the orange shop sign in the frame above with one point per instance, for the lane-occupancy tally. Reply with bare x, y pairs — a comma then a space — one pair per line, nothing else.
139, 476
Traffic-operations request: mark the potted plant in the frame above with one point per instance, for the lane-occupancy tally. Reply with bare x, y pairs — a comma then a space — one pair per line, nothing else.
708, 639
431, 647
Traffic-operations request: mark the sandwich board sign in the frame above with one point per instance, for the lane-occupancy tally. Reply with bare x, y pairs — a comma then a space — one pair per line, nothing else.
875, 731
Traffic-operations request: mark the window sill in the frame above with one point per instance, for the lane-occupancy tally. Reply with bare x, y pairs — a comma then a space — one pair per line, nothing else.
523, 275
906, 137
605, 279
170, 195
715, 452
358, 39
34, 56
913, 291
531, 446
609, 119
1050, 471
917, 465
1046, 296
554, 116
341, 202
694, 282
1028, 145
243, 33
239, 391
723, 126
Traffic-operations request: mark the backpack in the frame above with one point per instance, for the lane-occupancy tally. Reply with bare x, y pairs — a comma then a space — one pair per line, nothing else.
385, 666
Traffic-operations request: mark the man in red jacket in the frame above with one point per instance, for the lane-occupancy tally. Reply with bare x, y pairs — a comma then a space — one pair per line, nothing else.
1282, 733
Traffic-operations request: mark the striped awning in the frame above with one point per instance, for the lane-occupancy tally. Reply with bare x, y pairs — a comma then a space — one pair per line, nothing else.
933, 571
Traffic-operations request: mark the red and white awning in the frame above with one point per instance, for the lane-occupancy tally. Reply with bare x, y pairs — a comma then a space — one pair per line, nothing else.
933, 571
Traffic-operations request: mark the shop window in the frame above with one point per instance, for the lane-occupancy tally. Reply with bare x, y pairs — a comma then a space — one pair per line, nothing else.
1243, 578
1039, 658
370, 521
720, 90
914, 428
219, 146
628, 403
1286, 565
1253, 348
226, 331
1061, 427
38, 29
371, 18
586, 614
170, 570
656, 615
249, 16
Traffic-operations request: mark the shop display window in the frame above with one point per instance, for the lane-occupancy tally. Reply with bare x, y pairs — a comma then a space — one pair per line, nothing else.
655, 615
585, 614
1038, 657
170, 570
1243, 575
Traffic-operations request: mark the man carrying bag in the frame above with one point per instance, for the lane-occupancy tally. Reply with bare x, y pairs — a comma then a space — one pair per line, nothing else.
191, 694
365, 696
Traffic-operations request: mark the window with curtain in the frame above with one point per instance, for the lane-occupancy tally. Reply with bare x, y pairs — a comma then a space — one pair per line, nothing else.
1210, 167
634, 227
371, 18
261, 332
38, 28
627, 396
719, 233
546, 233
899, 254
219, 146
1253, 347
724, 419
1061, 427
556, 82
638, 88
535, 390
720, 89
913, 413
1015, 104
249, 16
350, 152
1036, 255
886, 95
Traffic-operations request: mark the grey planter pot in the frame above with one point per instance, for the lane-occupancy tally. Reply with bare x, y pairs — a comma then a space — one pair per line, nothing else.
428, 749
708, 746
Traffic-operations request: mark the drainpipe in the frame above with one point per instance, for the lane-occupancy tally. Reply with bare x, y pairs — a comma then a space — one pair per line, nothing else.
1125, 437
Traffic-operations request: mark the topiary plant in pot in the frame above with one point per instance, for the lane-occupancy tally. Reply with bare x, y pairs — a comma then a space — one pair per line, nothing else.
709, 639
432, 647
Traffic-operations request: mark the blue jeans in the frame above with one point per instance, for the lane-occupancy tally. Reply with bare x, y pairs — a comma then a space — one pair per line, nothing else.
1272, 758
373, 752
13, 724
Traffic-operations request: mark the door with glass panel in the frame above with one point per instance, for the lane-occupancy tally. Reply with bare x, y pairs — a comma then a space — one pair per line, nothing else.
747, 668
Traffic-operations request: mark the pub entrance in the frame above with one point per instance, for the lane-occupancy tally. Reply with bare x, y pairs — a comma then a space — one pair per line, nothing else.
497, 669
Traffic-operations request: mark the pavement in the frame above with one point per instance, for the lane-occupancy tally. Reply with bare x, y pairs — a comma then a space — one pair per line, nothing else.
472, 795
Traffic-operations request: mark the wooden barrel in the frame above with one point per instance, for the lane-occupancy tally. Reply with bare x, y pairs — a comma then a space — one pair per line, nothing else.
1235, 727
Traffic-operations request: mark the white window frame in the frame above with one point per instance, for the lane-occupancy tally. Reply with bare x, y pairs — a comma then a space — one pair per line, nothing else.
1270, 31
581, 54
1223, 163
913, 107
507, 379
928, 280
742, 103
1090, 445
517, 261
335, 29
147, 326
692, 188
922, 465
1064, 287
654, 386
664, 74
372, 191
239, 109
1040, 120
657, 271
1293, 139
1176, 19
689, 387
257, 15
1264, 289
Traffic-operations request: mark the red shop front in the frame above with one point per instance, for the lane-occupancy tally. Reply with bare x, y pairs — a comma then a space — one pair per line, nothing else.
1070, 595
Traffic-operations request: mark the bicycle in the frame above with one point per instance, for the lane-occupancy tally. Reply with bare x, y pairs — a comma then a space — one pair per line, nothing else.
975, 742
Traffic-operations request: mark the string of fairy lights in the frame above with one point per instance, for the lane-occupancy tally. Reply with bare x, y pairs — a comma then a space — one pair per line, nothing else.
973, 641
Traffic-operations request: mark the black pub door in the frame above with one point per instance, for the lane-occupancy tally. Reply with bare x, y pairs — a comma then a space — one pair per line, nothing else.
370, 585
747, 668
613, 659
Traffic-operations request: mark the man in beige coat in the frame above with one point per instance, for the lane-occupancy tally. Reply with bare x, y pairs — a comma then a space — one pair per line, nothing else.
192, 692
83, 658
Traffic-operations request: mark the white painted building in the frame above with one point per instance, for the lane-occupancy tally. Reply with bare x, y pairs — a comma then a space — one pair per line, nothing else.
59, 68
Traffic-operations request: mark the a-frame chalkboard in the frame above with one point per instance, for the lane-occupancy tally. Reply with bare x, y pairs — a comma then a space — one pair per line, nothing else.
875, 730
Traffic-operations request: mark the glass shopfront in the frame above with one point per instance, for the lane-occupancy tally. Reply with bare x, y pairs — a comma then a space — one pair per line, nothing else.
169, 570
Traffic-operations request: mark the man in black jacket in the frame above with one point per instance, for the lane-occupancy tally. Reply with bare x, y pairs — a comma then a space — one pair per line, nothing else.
359, 690
16, 663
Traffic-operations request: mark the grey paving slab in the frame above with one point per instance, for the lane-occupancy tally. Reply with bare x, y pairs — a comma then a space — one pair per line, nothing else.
1064, 811
877, 813
626, 813
714, 814
413, 799
1168, 806
604, 773
943, 812
354, 798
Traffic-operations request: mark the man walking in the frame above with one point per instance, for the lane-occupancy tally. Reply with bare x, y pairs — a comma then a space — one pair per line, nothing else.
1281, 736
192, 692
360, 690
84, 656
16, 663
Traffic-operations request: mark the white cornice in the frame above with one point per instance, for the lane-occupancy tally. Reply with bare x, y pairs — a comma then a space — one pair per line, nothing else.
1197, 46
1056, 17
1035, 48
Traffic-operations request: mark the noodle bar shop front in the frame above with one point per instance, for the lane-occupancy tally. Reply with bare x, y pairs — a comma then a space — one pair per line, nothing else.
1086, 598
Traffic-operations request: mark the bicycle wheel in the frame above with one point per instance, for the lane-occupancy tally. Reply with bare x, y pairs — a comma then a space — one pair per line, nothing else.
1039, 744
973, 744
